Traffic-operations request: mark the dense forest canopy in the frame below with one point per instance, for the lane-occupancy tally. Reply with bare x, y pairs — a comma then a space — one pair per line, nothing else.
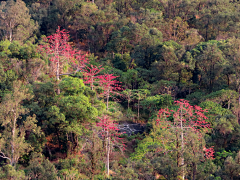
120, 89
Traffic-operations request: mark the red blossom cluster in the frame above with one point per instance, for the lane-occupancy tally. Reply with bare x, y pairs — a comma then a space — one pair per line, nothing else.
91, 75
186, 118
59, 50
109, 134
109, 84
209, 152
106, 124
191, 116
109, 130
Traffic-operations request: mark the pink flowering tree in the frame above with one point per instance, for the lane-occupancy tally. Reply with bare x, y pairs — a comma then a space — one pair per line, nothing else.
110, 136
61, 53
187, 125
110, 86
91, 75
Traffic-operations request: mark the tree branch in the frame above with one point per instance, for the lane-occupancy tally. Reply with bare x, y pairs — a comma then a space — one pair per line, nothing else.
5, 157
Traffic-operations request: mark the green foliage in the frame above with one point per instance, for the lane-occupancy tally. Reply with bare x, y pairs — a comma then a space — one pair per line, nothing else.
225, 124
37, 142
72, 86
160, 50
4, 47
115, 110
225, 130
15, 21
121, 61
74, 107
144, 169
9, 172
154, 103
40, 168
227, 98
70, 168
71, 173
125, 172
73, 100
130, 79
166, 166
221, 157
13, 143
231, 167
206, 170
163, 87
210, 61
144, 147
214, 109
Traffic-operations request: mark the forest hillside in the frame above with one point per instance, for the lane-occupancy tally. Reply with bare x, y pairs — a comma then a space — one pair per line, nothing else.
120, 89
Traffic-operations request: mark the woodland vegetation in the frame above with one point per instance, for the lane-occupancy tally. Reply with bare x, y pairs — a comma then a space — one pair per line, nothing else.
71, 71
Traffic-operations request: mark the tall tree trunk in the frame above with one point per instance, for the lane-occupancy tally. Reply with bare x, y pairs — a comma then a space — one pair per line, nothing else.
57, 71
58, 66
178, 154
182, 146
107, 100
92, 83
228, 80
10, 33
108, 152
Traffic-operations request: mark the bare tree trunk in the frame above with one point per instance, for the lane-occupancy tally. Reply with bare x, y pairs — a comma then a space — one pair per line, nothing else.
57, 76
107, 100
49, 151
58, 61
108, 152
92, 83
10, 33
182, 146
57, 71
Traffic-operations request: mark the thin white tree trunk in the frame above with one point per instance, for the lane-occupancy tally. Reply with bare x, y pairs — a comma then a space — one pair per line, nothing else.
10, 33
182, 146
92, 83
57, 71
108, 152
58, 65
107, 99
